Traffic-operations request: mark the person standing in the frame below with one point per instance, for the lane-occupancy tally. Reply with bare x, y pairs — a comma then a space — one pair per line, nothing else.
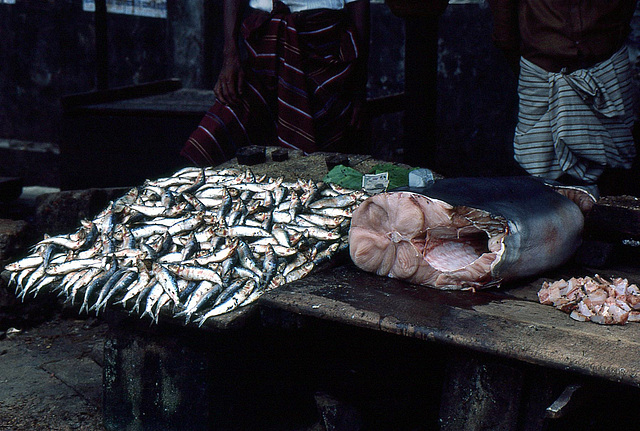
576, 106
302, 84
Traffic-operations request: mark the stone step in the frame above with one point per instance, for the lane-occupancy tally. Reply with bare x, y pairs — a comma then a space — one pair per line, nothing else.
10, 188
37, 163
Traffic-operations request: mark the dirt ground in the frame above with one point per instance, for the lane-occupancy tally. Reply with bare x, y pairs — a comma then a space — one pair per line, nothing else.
50, 370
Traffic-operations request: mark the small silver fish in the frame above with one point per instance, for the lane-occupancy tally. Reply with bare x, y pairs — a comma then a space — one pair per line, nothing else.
230, 302
25, 263
340, 201
167, 281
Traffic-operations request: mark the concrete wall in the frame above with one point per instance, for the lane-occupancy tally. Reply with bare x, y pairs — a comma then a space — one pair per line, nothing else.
477, 100
47, 50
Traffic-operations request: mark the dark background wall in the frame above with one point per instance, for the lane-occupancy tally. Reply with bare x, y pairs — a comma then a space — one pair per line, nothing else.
47, 51
477, 100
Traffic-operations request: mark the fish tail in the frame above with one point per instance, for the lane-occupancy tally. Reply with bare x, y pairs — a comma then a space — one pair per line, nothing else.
73, 299
136, 308
23, 294
200, 321
94, 307
104, 305
188, 319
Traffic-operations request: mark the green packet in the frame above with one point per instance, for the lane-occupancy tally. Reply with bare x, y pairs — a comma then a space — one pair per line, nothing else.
344, 176
398, 176
352, 179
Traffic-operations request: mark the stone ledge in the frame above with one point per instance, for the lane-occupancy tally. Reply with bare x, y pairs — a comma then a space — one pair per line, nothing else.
12, 237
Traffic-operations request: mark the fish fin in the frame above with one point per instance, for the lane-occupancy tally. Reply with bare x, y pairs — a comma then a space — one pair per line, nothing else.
200, 321
188, 319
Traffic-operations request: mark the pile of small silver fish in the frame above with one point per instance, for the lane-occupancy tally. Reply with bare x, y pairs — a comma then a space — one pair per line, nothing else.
596, 299
197, 244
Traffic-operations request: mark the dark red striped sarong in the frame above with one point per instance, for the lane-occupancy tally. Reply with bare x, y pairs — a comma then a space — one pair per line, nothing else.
300, 76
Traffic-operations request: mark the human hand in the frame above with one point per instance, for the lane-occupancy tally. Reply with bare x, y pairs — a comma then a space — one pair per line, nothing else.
359, 116
228, 88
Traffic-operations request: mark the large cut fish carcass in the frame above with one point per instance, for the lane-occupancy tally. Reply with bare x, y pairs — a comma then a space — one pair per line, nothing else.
465, 232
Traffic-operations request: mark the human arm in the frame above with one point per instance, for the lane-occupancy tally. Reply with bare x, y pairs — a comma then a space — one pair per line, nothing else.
506, 31
228, 87
360, 15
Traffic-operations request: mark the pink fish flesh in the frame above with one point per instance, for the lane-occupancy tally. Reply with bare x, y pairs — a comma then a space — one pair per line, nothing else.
465, 232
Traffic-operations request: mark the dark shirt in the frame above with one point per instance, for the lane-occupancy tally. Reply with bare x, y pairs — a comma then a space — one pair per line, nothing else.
556, 34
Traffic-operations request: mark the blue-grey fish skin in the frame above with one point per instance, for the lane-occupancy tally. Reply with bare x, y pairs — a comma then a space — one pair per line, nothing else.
94, 286
107, 286
230, 290
191, 286
123, 283
142, 296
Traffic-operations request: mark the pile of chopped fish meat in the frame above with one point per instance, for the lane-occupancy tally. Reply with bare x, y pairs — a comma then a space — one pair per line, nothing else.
201, 242
594, 299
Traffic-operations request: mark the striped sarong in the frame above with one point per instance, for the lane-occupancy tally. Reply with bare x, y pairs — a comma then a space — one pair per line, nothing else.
576, 123
300, 75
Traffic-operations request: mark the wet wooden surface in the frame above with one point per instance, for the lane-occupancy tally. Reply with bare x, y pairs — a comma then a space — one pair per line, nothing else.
507, 322
614, 217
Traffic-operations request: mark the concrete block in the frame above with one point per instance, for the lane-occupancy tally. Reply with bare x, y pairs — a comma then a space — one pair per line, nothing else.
12, 237
10, 188
61, 212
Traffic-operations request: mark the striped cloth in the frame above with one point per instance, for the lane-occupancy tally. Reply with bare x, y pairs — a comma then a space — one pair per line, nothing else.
299, 81
575, 123
300, 5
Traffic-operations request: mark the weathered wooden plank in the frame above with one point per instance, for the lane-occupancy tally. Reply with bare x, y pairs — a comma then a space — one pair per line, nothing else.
480, 394
492, 322
614, 216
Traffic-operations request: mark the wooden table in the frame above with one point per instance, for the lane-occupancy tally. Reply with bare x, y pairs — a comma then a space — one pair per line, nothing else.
504, 357
403, 356
507, 322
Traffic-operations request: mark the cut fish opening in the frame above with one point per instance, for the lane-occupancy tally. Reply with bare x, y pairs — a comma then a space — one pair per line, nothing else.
426, 241
449, 249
